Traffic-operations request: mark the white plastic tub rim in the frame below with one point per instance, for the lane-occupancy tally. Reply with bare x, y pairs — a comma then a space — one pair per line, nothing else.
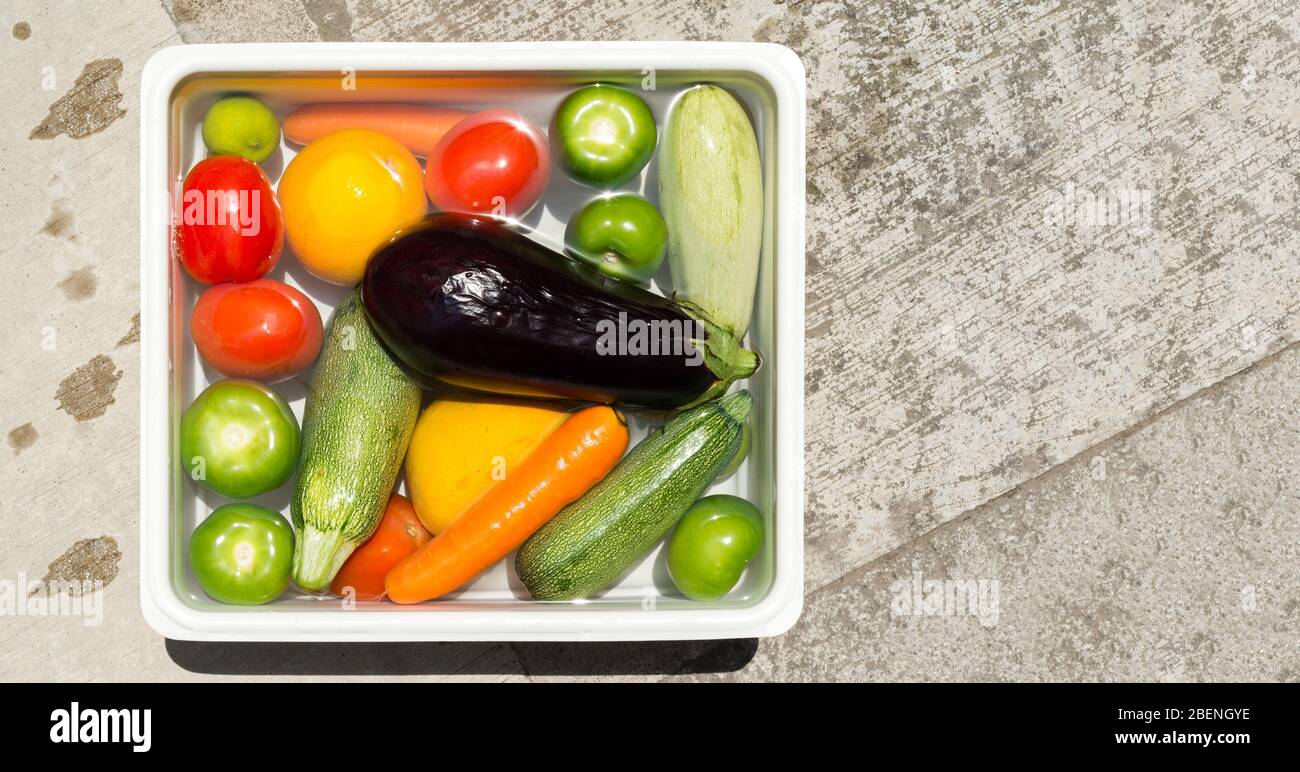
176, 82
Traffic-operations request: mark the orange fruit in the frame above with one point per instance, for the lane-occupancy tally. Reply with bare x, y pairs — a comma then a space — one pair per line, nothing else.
343, 196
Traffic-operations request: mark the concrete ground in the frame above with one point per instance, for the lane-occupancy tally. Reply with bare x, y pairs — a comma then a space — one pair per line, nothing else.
1051, 318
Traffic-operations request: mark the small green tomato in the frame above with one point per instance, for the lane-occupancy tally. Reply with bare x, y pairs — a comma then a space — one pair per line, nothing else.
712, 544
240, 439
242, 554
604, 135
741, 454
622, 236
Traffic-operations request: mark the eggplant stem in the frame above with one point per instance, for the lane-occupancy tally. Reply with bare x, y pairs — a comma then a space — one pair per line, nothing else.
723, 355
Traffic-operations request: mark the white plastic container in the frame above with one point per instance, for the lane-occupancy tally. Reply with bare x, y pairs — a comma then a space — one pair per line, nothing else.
178, 85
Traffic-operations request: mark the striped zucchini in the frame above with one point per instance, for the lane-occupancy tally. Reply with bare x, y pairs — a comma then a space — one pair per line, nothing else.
591, 542
361, 411
711, 194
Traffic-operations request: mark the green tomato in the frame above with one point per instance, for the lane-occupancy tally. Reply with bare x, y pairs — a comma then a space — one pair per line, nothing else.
604, 135
242, 554
741, 453
712, 544
240, 439
622, 236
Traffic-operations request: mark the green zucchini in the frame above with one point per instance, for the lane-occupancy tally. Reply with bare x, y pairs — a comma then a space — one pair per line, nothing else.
711, 195
361, 411
591, 542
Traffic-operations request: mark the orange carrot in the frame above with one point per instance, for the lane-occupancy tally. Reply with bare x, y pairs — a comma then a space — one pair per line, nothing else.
575, 457
419, 127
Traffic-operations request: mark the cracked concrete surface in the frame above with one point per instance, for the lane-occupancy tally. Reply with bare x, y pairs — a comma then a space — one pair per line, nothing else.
1058, 339
1168, 553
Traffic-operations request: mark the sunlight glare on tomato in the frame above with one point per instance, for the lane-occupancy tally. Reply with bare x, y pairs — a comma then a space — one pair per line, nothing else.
490, 163
228, 226
264, 330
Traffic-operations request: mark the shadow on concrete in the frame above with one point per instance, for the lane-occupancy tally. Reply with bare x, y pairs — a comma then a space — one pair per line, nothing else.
464, 659
649, 658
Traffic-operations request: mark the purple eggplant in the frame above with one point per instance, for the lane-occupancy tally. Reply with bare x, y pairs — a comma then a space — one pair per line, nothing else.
462, 300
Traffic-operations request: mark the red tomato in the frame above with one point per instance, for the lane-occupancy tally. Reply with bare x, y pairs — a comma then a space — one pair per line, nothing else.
228, 223
492, 162
399, 534
262, 330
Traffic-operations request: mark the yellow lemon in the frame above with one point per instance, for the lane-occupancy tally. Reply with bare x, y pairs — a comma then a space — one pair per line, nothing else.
343, 196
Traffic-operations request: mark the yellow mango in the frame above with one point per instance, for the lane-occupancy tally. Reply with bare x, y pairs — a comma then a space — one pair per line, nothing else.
464, 446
